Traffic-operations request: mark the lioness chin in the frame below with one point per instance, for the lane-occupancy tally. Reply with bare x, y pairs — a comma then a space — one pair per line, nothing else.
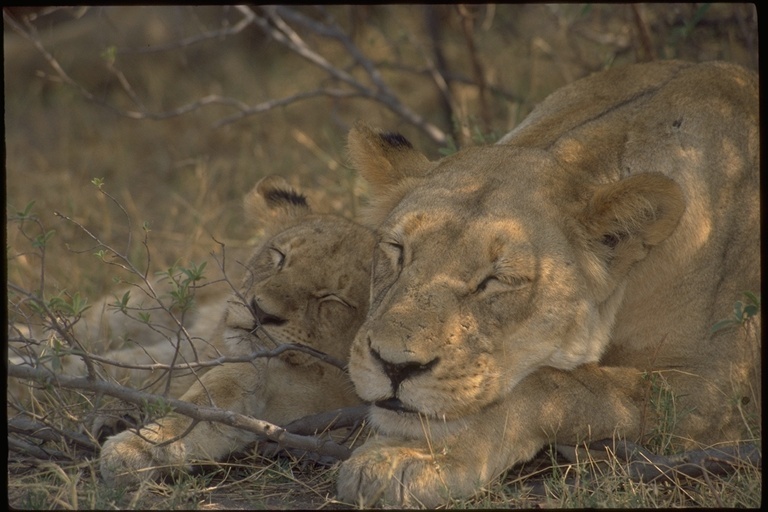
531, 292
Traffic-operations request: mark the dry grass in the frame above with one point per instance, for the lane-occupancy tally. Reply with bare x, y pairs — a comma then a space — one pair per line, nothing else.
185, 178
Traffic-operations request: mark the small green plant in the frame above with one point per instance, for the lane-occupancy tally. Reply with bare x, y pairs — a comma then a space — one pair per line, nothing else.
68, 305
183, 282
742, 312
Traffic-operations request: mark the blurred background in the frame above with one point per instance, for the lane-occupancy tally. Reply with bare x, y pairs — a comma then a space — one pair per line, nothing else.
181, 110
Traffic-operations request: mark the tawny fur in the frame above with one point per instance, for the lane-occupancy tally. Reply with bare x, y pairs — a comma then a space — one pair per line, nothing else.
531, 292
306, 284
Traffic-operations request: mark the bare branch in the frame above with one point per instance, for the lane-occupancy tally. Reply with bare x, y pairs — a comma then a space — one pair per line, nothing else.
265, 106
285, 347
276, 27
647, 466
19, 446
280, 31
467, 26
266, 429
338, 418
31, 428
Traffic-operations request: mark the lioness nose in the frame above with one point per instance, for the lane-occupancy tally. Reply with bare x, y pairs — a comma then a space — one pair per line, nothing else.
398, 372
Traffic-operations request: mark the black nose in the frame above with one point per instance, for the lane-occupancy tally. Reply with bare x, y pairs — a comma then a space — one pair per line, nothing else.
264, 318
398, 372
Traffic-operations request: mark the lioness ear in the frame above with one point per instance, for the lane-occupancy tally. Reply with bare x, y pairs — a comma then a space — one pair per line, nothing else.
274, 198
384, 159
625, 219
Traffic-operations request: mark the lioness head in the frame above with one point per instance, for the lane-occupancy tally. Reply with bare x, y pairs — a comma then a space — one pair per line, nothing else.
306, 284
489, 264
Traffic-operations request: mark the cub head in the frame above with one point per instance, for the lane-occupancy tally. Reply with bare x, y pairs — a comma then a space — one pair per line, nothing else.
307, 283
489, 264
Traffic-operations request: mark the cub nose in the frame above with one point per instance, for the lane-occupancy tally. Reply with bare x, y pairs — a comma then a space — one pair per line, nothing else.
264, 318
398, 372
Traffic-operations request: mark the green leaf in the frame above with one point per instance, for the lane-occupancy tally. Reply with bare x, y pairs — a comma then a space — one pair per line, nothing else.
121, 304
79, 304
752, 298
42, 239
738, 309
750, 311
722, 324
194, 273
27, 213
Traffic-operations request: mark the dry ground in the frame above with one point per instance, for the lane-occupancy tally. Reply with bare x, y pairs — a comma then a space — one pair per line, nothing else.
110, 111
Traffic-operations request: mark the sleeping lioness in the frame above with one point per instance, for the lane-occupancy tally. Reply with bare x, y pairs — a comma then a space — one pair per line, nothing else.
543, 289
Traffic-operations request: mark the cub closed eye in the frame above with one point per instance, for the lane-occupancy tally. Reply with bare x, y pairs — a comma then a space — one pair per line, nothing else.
278, 257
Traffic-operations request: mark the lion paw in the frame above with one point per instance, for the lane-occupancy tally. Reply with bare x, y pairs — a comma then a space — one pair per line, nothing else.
127, 459
393, 476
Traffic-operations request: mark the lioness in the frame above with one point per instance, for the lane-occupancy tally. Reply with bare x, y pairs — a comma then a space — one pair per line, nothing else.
536, 291
306, 284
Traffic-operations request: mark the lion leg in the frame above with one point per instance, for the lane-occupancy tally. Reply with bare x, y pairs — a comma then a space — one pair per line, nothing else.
271, 390
130, 457
550, 406
547, 407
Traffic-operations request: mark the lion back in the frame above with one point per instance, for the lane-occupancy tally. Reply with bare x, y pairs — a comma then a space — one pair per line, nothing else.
699, 125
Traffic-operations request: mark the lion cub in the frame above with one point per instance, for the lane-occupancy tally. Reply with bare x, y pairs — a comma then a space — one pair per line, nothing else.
306, 284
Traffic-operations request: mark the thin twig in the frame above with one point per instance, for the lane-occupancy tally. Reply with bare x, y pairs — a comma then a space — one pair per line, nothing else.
273, 25
220, 34
280, 349
280, 31
467, 26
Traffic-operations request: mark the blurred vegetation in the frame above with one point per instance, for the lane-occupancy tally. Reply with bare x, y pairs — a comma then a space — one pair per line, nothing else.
473, 71
93, 100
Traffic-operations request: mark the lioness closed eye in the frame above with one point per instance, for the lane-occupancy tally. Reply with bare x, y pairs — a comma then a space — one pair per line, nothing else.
523, 293
306, 284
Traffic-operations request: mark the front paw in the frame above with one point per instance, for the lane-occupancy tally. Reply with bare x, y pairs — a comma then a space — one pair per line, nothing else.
127, 459
399, 476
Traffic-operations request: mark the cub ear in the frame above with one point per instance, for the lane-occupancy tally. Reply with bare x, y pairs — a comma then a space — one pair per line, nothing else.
384, 159
625, 219
274, 198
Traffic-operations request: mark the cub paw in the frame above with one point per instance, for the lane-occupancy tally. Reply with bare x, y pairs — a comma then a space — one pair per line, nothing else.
104, 426
127, 459
393, 476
